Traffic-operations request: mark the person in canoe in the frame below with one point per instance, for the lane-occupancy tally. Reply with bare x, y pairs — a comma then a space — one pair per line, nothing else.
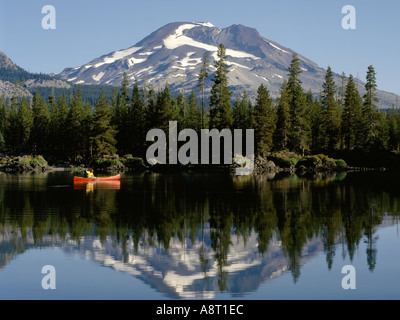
90, 174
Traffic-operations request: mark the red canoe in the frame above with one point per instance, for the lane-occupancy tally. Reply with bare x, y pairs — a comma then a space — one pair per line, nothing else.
81, 179
91, 185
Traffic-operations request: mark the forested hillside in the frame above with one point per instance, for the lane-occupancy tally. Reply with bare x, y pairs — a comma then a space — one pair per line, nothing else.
71, 127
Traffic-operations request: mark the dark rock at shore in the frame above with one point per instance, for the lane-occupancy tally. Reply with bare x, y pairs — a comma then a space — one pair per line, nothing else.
23, 164
112, 168
262, 165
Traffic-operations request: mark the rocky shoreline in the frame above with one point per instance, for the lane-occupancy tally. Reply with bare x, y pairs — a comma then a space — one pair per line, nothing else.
262, 165
23, 164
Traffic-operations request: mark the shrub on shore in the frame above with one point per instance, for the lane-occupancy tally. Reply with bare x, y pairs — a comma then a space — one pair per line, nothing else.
23, 163
107, 161
131, 161
116, 163
285, 159
340, 162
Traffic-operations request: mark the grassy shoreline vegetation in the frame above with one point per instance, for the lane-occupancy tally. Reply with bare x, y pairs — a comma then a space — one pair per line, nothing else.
297, 130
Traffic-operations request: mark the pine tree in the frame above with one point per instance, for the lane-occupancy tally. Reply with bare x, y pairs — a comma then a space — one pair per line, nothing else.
393, 123
75, 139
242, 112
3, 112
371, 117
137, 122
114, 103
58, 129
299, 130
203, 75
103, 134
151, 108
194, 119
41, 120
220, 100
179, 108
330, 113
342, 89
3, 122
11, 126
351, 124
281, 136
87, 126
315, 111
382, 129
370, 97
165, 111
121, 117
25, 126
160, 109
264, 121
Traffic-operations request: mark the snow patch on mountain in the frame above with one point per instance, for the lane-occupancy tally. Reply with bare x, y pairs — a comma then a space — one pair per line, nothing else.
276, 47
133, 61
206, 24
146, 53
176, 67
188, 61
98, 77
260, 77
117, 55
177, 39
143, 70
173, 54
237, 65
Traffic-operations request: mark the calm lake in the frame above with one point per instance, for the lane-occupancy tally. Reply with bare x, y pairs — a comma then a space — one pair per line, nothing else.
200, 236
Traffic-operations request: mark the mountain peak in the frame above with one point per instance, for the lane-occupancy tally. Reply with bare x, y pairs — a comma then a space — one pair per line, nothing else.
173, 54
6, 63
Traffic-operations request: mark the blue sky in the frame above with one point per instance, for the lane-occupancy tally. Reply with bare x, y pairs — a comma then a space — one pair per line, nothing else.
88, 29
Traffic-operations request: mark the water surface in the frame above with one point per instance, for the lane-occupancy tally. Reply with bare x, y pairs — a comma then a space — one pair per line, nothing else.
200, 236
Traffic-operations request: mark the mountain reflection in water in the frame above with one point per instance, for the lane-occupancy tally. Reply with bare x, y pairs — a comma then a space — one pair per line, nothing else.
193, 235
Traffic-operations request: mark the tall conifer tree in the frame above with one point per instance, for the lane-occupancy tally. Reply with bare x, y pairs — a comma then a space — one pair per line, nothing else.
299, 130
220, 100
137, 122
194, 119
372, 124
75, 141
58, 129
243, 112
264, 121
41, 120
203, 75
121, 117
330, 113
351, 124
25, 126
281, 136
103, 134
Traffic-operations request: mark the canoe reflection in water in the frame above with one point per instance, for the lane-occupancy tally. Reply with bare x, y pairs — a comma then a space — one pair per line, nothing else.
89, 186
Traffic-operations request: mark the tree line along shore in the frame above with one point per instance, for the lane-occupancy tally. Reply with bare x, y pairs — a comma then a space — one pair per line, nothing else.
337, 129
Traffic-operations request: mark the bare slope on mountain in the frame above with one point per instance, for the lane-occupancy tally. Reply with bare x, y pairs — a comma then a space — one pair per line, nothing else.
173, 53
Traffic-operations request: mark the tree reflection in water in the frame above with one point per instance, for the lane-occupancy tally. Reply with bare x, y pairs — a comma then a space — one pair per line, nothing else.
208, 212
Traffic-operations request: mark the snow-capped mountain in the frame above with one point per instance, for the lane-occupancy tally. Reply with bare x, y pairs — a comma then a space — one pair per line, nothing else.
173, 55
